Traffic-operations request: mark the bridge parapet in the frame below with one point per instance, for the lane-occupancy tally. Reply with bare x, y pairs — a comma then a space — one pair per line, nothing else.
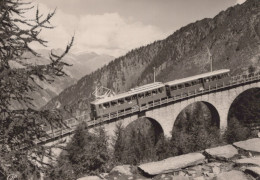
72, 123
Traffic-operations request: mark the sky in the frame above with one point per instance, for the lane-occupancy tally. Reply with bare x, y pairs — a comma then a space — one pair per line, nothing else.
114, 27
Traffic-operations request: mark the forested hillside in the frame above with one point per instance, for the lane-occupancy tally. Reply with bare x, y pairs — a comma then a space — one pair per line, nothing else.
233, 38
80, 65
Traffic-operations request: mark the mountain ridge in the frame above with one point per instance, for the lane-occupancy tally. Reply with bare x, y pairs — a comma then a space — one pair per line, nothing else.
232, 37
82, 64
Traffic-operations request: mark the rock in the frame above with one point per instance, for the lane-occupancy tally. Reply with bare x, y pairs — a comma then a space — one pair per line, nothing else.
249, 145
253, 171
103, 175
252, 160
89, 178
181, 173
124, 169
209, 175
222, 152
212, 164
199, 178
172, 164
178, 177
216, 170
234, 174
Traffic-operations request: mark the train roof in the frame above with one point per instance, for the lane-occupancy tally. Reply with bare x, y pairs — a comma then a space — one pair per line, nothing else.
191, 78
132, 91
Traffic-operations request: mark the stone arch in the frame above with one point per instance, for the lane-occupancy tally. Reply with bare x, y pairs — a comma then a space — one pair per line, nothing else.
215, 117
238, 97
157, 129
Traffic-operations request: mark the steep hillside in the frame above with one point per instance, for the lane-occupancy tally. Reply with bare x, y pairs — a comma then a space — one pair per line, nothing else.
233, 37
82, 64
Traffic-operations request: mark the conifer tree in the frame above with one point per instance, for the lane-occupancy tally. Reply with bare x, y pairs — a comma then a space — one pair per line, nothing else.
20, 128
86, 154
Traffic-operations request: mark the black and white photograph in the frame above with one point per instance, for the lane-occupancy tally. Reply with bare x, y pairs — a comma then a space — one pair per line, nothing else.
130, 89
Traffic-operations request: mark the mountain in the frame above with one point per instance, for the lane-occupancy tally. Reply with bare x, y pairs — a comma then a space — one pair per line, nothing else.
233, 38
82, 64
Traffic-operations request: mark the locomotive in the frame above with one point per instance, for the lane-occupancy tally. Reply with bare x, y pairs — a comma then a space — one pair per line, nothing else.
139, 98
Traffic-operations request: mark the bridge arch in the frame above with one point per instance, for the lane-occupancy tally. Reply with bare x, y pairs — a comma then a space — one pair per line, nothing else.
242, 100
198, 106
147, 126
166, 114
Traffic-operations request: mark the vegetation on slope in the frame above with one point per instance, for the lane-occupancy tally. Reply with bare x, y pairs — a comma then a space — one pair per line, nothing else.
232, 37
21, 156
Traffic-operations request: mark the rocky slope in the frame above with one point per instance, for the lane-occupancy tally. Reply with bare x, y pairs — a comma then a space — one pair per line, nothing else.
82, 64
239, 161
233, 37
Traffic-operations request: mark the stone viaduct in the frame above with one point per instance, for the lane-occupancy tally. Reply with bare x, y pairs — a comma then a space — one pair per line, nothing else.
165, 112
218, 101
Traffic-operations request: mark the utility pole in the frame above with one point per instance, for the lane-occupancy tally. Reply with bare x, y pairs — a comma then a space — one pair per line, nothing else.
211, 60
154, 74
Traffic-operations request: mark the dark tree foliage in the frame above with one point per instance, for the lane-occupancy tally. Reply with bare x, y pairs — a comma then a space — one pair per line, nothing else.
246, 107
244, 116
134, 146
119, 143
20, 128
194, 131
86, 154
236, 131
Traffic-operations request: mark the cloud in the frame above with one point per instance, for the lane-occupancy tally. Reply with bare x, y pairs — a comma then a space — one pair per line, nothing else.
240, 1
107, 33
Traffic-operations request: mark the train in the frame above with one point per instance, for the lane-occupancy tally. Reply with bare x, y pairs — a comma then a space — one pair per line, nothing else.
139, 98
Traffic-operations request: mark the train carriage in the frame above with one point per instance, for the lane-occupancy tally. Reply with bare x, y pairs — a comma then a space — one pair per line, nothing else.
193, 84
149, 94
111, 105
144, 97
128, 102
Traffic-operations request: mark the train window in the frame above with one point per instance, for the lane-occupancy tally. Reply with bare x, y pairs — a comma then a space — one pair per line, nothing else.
100, 106
180, 86
113, 103
173, 88
148, 93
187, 84
155, 92
106, 105
160, 90
121, 101
141, 95
213, 78
128, 99
206, 80
133, 97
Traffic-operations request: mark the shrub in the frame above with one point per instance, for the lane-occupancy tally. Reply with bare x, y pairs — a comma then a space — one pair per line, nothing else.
236, 131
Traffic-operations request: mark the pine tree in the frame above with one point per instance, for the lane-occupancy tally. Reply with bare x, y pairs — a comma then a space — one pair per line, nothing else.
86, 154
20, 128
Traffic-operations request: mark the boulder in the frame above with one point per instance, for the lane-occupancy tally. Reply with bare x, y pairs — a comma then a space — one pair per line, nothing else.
89, 178
216, 170
222, 152
249, 145
234, 174
178, 177
199, 178
172, 164
252, 160
123, 169
253, 171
